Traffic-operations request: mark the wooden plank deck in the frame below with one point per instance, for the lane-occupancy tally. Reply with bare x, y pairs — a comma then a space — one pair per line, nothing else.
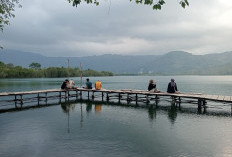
220, 98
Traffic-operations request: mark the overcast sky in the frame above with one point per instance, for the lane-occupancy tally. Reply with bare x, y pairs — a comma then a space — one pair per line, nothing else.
55, 28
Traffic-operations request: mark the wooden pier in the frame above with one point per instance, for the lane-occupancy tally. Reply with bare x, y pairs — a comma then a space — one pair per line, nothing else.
18, 100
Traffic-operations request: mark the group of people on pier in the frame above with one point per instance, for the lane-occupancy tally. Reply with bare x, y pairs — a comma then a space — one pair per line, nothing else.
172, 87
70, 84
98, 84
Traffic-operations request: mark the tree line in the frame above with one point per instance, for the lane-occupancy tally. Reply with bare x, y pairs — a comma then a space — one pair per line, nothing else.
35, 71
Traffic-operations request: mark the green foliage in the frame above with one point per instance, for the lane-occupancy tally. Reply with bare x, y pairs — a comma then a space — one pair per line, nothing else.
78, 2
11, 71
156, 5
7, 7
34, 65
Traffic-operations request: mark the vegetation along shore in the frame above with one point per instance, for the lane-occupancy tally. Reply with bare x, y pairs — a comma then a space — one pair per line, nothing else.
35, 71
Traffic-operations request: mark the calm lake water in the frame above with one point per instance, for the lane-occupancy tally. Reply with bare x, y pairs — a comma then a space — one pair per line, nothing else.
109, 130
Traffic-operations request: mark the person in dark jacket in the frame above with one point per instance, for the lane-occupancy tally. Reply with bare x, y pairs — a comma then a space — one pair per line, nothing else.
172, 87
152, 87
65, 84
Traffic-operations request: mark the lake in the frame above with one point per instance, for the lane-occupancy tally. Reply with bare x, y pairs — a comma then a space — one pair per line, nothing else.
93, 129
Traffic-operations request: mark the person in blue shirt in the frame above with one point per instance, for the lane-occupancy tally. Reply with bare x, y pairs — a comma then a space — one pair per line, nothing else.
88, 84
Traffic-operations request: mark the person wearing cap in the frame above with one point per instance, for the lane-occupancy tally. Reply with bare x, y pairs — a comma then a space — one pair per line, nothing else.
152, 87
172, 87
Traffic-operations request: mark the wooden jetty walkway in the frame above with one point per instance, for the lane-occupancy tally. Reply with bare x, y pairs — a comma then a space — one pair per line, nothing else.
128, 95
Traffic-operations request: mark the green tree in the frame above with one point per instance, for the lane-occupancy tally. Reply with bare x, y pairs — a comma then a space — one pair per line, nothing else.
34, 65
7, 7
9, 65
156, 5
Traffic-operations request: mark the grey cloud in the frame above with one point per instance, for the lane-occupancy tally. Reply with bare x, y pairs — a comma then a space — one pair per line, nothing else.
55, 28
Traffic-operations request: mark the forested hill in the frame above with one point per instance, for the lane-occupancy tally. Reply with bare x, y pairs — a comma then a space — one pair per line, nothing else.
176, 62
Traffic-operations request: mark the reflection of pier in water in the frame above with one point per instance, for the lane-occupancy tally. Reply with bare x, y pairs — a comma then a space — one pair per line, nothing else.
68, 107
169, 108
32, 99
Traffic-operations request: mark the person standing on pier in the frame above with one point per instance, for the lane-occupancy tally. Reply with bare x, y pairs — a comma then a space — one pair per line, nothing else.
172, 87
152, 87
88, 84
98, 85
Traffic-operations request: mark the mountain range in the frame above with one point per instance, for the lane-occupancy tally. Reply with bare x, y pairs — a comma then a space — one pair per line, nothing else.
171, 63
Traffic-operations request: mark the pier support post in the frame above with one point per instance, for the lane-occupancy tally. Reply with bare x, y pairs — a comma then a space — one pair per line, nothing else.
81, 95
102, 96
107, 97
76, 94
68, 95
119, 97
59, 96
147, 100
204, 105
173, 99
231, 109
15, 100
38, 99
156, 97
199, 104
128, 98
136, 99
65, 96
156, 102
93, 96
46, 98
21, 100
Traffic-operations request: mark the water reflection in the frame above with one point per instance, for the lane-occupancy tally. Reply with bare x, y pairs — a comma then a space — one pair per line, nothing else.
66, 107
152, 112
89, 107
172, 112
81, 121
172, 108
98, 108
